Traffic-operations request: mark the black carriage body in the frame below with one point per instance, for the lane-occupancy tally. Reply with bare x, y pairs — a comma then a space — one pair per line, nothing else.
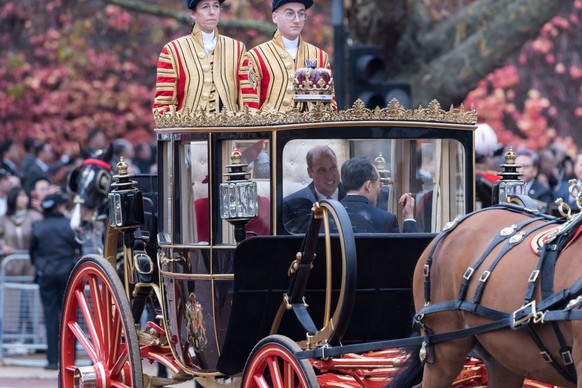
220, 298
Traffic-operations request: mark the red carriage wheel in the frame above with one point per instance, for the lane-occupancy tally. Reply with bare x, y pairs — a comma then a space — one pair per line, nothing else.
97, 317
272, 364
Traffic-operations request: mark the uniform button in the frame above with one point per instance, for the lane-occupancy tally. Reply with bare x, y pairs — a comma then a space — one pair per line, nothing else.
206, 68
201, 54
205, 96
283, 54
291, 77
207, 81
286, 102
290, 89
289, 66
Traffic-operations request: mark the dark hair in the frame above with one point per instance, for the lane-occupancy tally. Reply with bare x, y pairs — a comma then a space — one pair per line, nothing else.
535, 160
29, 144
11, 199
356, 171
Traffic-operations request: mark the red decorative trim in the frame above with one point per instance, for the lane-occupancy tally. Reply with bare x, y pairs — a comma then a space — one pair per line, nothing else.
97, 162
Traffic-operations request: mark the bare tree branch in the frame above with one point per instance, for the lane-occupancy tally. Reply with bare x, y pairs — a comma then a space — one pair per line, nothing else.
239, 24
450, 76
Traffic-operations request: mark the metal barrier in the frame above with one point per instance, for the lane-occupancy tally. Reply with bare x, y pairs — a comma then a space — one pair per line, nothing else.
22, 329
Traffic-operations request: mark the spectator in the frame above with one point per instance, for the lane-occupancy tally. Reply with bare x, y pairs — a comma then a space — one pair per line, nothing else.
323, 170
11, 156
265, 79
28, 158
362, 184
529, 162
5, 186
44, 166
40, 189
124, 148
95, 143
16, 227
53, 251
143, 158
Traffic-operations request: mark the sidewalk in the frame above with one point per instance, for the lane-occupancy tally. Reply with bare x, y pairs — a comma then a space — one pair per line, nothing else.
28, 371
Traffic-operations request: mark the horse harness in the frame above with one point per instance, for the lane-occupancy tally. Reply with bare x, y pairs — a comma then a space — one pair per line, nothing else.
552, 308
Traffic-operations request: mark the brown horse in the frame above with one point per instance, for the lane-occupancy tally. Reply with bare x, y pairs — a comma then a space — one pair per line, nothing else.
483, 278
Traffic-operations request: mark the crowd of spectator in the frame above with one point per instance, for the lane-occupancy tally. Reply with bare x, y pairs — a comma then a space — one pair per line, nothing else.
34, 210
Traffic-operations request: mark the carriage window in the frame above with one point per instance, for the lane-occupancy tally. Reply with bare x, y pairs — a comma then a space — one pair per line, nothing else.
193, 193
431, 170
256, 155
165, 150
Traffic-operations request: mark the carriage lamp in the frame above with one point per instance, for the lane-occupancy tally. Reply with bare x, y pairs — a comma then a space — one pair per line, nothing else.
238, 196
509, 184
125, 200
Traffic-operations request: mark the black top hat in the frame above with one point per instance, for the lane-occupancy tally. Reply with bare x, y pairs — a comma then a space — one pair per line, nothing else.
278, 3
51, 201
193, 3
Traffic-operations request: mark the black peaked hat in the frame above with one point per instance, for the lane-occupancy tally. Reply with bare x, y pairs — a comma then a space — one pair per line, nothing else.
53, 200
278, 3
193, 3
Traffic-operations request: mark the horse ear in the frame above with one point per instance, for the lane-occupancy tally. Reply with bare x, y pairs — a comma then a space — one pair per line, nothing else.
72, 180
107, 156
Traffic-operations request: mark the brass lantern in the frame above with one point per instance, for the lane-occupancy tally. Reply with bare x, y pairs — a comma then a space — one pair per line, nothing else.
509, 184
238, 196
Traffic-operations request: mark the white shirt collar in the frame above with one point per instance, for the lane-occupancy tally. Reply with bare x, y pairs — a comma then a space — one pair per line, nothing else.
209, 41
291, 46
320, 196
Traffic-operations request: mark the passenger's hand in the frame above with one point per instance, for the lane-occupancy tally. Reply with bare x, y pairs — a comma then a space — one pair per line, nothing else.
407, 202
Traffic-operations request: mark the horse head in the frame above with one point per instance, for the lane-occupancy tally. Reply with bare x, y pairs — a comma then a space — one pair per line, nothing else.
90, 182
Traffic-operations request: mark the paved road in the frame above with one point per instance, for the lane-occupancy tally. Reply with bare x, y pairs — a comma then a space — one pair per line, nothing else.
28, 371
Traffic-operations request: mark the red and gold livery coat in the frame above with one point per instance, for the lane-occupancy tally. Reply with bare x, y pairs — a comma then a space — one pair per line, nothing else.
187, 77
267, 74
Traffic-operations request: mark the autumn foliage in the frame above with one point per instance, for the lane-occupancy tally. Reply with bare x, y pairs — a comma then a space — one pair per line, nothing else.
535, 99
68, 66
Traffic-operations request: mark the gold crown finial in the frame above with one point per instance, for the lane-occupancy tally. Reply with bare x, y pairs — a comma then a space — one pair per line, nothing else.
510, 156
122, 166
235, 156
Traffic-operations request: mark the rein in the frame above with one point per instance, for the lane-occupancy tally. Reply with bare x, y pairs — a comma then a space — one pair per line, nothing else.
552, 308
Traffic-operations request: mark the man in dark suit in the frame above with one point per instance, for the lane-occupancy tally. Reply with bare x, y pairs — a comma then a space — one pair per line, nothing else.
322, 168
362, 183
529, 162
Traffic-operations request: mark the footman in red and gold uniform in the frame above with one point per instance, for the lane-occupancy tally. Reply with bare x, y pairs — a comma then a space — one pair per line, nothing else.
266, 77
200, 70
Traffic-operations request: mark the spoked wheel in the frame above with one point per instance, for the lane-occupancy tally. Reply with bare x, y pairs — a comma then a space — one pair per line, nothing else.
97, 316
272, 364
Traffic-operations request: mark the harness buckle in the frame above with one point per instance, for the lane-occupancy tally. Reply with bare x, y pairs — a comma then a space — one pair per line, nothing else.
546, 356
426, 270
468, 273
567, 357
523, 315
534, 276
484, 276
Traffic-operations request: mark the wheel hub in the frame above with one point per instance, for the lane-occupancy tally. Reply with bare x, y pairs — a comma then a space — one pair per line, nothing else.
93, 376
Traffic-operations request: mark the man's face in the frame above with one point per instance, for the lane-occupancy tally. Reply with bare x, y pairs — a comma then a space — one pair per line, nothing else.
290, 19
324, 172
375, 187
527, 169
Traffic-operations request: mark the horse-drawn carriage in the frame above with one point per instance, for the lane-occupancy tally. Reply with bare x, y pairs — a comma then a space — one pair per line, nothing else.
213, 284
